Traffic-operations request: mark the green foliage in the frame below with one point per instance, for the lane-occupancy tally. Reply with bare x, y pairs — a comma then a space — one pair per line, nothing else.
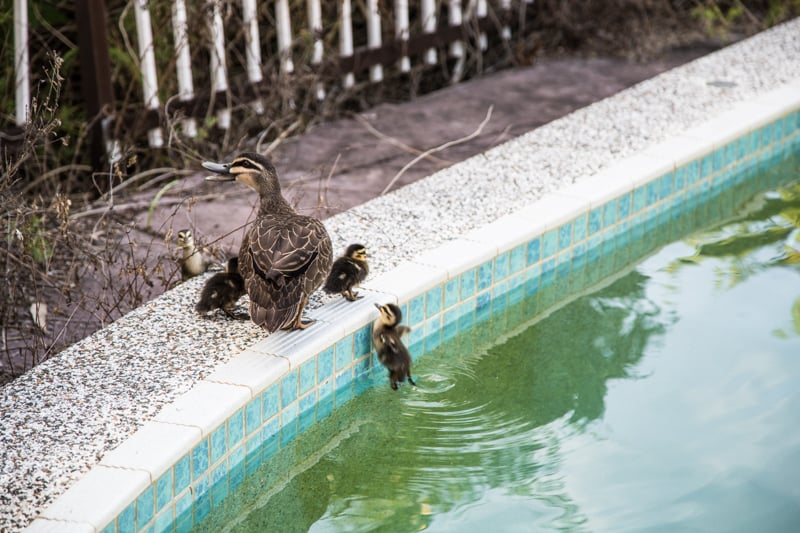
718, 18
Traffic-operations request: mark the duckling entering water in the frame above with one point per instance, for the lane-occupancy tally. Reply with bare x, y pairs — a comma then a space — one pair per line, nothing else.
192, 263
392, 353
222, 291
347, 272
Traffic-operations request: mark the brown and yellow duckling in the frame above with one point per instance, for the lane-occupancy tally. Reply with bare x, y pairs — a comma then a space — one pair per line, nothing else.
192, 262
347, 272
222, 291
284, 256
392, 353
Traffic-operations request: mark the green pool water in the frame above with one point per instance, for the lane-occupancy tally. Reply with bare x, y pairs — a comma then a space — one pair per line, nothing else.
662, 397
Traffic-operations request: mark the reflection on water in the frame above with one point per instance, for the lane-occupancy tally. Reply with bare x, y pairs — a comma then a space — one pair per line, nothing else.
665, 401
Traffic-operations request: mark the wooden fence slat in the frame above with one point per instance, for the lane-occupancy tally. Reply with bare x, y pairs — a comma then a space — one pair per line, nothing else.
21, 62
219, 76
401, 23
429, 26
481, 12
252, 49
315, 27
374, 38
284, 35
147, 62
346, 38
183, 62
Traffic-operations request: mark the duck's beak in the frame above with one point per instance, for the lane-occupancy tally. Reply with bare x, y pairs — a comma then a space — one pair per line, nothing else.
222, 170
378, 306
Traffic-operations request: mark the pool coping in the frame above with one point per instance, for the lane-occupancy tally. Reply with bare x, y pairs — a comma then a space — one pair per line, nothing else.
236, 389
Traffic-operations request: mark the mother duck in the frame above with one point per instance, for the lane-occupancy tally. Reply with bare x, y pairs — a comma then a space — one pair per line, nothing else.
284, 256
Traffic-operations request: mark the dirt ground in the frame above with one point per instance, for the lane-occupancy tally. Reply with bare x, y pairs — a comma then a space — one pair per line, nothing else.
340, 164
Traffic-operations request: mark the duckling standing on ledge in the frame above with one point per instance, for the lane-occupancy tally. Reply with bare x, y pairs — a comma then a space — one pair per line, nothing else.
347, 272
392, 353
284, 256
192, 263
222, 291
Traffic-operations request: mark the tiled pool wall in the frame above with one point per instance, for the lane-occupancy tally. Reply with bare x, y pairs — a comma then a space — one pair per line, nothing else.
170, 474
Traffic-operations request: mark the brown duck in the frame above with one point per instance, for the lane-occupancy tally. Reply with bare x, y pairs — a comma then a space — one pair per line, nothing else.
284, 256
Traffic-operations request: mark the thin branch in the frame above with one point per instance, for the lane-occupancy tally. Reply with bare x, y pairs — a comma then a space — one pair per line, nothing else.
394, 141
440, 148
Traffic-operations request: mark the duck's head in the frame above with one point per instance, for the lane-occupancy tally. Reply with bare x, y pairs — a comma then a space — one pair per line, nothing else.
357, 252
185, 239
250, 168
390, 314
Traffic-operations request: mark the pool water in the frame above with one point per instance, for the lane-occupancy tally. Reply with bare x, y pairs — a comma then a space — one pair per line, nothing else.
664, 397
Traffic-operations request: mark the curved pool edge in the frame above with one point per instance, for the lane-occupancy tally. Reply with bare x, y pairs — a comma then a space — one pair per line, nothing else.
172, 462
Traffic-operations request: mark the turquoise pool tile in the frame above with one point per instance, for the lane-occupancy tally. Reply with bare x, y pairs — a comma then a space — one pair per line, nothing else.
362, 341
706, 166
742, 147
183, 505
549, 243
416, 310
219, 444
499, 289
236, 476
450, 317
164, 493
766, 136
623, 207
501, 266
433, 302
343, 379
219, 474
609, 213
468, 283
184, 524
289, 414
665, 185
182, 473
235, 429
202, 507
270, 401
110, 528
718, 159
271, 428
595, 220
485, 276
164, 521
639, 199
516, 260
653, 189
324, 365
220, 487
692, 172
253, 415
126, 521
289, 386
777, 130
730, 153
679, 179
308, 375
565, 236
363, 366
325, 388
451, 293
344, 353
200, 459
308, 401
533, 251
145, 507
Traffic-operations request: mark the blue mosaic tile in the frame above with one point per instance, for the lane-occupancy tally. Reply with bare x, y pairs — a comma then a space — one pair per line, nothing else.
145, 507
325, 388
235, 429
202, 506
533, 252
183, 505
706, 166
451, 293
579, 226
564, 236
324, 366
184, 525
219, 474
549, 243
164, 521
164, 490
362, 341
110, 528
325, 407
466, 315
363, 366
516, 259
595, 220
610, 213
718, 159
182, 473
200, 459
501, 266
692, 172
270, 401
416, 310
730, 153
308, 401
433, 302
498, 289
766, 136
253, 415
308, 375
639, 199
742, 147
653, 190
126, 521
485, 276
344, 353
289, 385
679, 178
343, 379
236, 457
236, 476
665, 185
219, 444
271, 428
289, 414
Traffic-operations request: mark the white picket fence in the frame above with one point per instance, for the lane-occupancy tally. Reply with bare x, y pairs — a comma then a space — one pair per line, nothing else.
460, 12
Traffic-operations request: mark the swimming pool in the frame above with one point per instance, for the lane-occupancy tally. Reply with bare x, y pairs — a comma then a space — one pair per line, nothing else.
659, 394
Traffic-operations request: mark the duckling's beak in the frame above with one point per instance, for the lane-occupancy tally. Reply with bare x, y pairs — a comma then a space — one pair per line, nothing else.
222, 169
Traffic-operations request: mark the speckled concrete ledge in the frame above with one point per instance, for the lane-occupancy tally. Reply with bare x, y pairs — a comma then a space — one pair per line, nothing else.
69, 421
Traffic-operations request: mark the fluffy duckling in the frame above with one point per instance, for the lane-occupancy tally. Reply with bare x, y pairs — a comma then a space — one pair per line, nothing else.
284, 256
192, 262
222, 291
392, 353
347, 272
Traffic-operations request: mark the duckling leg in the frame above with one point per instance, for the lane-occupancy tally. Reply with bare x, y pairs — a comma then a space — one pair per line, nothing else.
351, 295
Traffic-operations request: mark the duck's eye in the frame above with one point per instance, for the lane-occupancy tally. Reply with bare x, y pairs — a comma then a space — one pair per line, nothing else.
245, 163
